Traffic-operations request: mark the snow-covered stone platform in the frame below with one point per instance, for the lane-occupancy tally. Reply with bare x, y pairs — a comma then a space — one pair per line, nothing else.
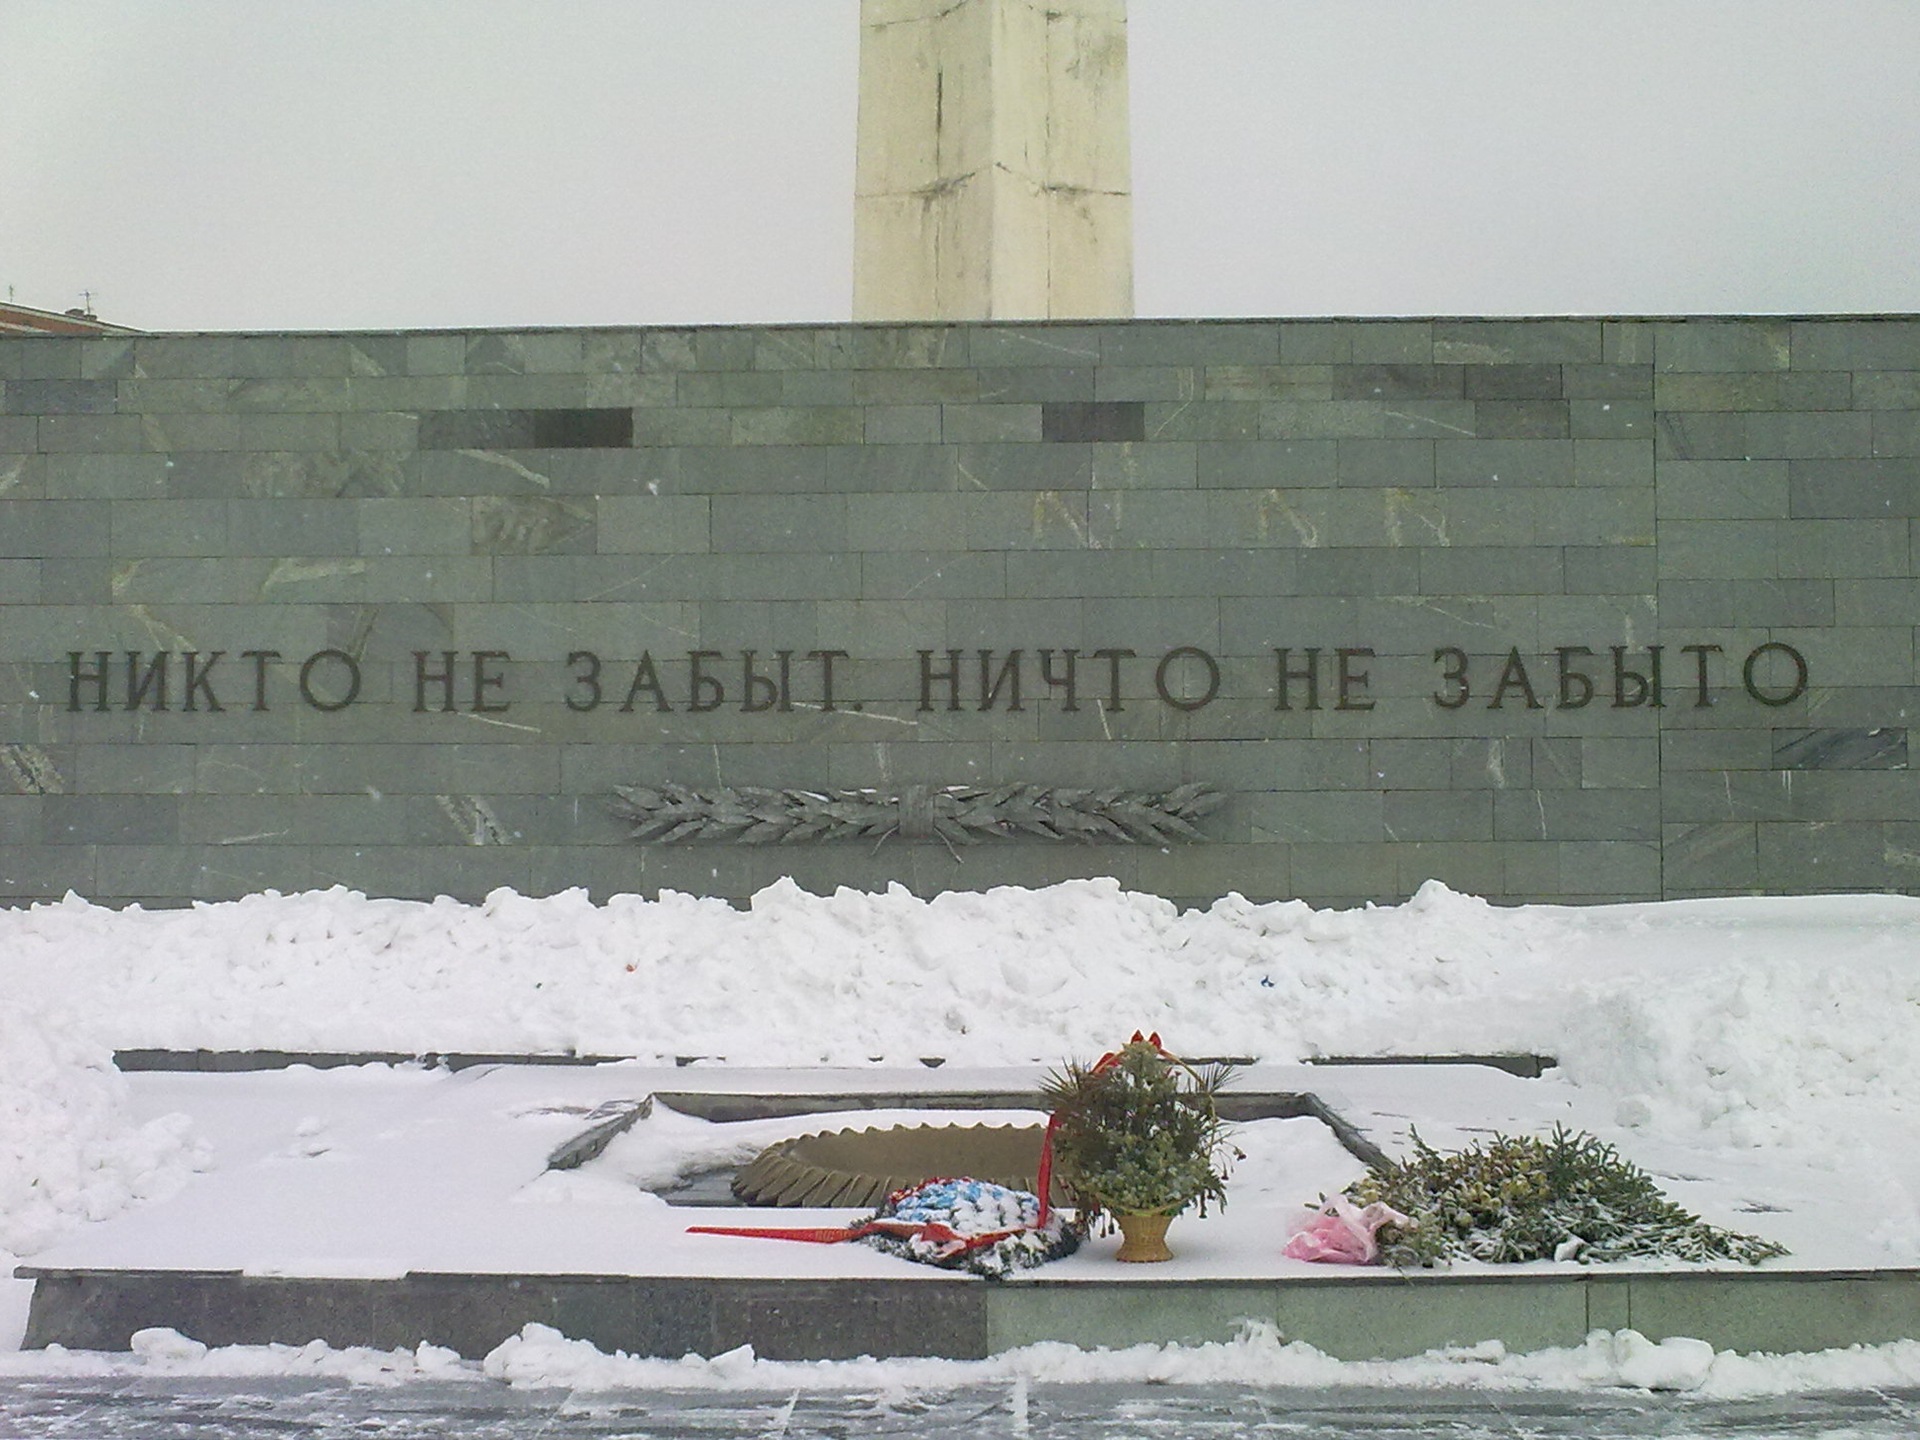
1758, 1056
388, 1205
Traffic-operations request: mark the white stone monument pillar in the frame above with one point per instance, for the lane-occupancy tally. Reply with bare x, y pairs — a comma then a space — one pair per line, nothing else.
993, 178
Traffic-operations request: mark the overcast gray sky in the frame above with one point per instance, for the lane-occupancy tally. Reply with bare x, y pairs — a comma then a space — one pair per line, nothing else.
270, 164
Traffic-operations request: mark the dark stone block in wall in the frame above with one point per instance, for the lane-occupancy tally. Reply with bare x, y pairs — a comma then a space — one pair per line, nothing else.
1701, 435
1853, 489
1883, 749
61, 397
110, 820
553, 429
469, 1314
1080, 421
291, 1311
388, 632
603, 429
655, 1316
1717, 857
842, 1320
1513, 382
1397, 382
476, 430
531, 525
1835, 857
102, 1311
95, 1313
1520, 419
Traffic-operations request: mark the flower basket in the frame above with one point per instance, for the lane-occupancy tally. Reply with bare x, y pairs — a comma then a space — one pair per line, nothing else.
1138, 1134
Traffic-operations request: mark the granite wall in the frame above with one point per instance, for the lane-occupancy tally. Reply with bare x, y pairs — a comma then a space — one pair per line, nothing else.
1547, 609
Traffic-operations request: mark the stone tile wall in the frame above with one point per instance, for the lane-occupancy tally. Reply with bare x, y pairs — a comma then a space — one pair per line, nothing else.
416, 556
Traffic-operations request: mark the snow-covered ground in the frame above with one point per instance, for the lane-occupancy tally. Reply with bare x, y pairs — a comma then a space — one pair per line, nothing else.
1775, 1039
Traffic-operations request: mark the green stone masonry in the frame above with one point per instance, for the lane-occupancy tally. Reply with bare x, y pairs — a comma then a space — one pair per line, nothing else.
1568, 610
1391, 1315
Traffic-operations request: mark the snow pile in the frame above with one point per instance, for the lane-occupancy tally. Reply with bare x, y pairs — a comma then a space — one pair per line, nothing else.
992, 978
1746, 1019
1742, 1017
67, 1150
162, 1351
1733, 1014
541, 1357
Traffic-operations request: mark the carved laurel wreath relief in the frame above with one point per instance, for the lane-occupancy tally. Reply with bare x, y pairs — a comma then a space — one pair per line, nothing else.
955, 814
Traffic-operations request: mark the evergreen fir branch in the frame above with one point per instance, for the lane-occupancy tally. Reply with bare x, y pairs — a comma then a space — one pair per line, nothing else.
1519, 1198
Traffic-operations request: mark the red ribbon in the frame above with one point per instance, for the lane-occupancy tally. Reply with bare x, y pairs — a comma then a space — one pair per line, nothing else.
950, 1241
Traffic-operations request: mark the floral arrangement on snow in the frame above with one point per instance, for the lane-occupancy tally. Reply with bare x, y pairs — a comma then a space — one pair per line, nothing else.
965, 1224
1138, 1132
1513, 1198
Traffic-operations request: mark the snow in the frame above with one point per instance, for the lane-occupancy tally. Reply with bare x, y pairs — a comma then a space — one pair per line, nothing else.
444, 1172
159, 1352
1748, 1051
541, 1358
67, 1150
1729, 1013
796, 980
1001, 978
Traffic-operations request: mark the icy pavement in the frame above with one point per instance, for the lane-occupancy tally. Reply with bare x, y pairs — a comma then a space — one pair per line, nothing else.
105, 1408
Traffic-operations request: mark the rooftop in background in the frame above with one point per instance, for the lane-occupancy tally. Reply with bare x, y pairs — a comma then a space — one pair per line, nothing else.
25, 320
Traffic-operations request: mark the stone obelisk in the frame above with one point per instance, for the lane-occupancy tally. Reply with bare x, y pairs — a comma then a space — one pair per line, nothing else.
993, 178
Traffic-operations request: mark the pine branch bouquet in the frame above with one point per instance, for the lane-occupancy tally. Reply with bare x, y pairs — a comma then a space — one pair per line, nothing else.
1568, 1197
1138, 1133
